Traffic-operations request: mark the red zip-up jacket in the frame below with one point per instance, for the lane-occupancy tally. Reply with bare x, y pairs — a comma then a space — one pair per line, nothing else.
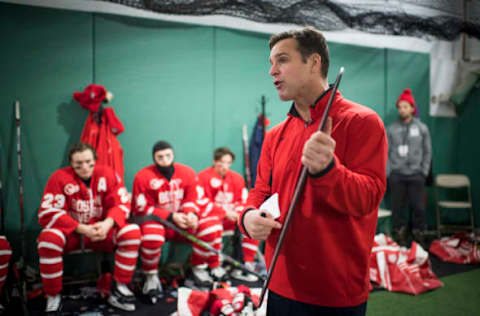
324, 259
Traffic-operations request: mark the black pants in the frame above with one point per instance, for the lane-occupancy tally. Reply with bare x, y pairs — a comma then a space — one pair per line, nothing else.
281, 306
408, 191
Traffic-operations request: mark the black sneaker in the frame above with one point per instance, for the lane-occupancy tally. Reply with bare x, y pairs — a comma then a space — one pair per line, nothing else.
121, 297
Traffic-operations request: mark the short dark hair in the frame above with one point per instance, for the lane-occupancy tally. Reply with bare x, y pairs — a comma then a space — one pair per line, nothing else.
78, 148
222, 151
309, 41
161, 145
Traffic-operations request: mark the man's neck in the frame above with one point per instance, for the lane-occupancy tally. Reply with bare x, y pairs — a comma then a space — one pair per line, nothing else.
303, 103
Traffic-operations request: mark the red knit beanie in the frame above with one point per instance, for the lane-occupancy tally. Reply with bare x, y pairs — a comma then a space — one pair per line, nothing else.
406, 95
92, 97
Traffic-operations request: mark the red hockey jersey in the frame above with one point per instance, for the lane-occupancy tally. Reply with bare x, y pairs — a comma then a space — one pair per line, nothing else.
227, 193
103, 138
67, 201
153, 194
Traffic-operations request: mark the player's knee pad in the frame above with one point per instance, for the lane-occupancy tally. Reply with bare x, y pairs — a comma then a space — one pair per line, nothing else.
153, 235
51, 242
128, 237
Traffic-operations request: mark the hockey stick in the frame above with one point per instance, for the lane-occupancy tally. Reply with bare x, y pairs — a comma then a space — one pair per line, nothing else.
20, 264
246, 157
2, 210
20, 179
296, 194
233, 262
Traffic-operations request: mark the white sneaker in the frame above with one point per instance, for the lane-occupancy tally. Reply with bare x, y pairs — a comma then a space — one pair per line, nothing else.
218, 273
121, 297
54, 304
201, 275
152, 287
244, 276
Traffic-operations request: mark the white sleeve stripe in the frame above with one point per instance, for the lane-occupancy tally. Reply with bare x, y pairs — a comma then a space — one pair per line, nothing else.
50, 260
54, 219
56, 232
3, 278
190, 204
125, 209
150, 210
127, 229
3, 266
49, 245
49, 210
249, 246
212, 229
51, 275
124, 266
5, 252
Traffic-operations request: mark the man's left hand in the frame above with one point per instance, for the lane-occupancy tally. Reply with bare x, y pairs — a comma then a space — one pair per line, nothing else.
318, 150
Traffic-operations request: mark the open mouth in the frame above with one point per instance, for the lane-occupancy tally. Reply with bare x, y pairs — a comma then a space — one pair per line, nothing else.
277, 84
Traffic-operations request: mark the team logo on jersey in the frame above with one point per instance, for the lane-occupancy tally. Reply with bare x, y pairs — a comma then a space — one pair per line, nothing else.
215, 182
155, 184
71, 189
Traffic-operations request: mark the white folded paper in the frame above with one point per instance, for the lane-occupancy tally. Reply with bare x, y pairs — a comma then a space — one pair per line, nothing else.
271, 206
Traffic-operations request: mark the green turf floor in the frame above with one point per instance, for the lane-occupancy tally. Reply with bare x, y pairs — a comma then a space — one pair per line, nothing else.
460, 295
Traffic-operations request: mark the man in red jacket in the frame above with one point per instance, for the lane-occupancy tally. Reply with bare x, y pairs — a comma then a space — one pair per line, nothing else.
169, 190
86, 204
323, 267
226, 189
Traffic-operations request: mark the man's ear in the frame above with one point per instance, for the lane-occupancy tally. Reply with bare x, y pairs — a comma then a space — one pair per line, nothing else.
316, 62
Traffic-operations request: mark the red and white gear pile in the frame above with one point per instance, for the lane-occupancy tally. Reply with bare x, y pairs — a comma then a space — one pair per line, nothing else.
66, 203
461, 248
153, 194
398, 269
228, 301
5, 254
227, 194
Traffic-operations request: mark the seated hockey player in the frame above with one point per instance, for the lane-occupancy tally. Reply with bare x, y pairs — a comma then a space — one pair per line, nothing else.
225, 188
86, 204
168, 190
5, 254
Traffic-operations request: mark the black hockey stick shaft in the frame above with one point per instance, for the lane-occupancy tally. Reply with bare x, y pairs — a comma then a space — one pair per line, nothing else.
233, 262
246, 157
20, 265
20, 178
2, 209
296, 194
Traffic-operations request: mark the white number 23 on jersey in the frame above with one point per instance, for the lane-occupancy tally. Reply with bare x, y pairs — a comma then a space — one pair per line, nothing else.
53, 201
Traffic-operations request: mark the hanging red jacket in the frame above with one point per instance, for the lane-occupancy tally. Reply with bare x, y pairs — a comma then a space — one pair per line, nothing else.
103, 138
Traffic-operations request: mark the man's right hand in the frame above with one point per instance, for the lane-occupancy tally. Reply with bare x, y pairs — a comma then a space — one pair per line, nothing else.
87, 230
180, 219
258, 226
